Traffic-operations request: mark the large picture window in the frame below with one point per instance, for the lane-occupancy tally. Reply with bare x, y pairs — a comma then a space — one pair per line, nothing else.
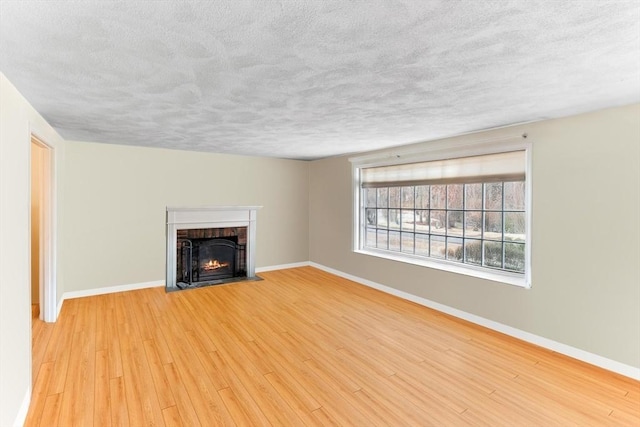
467, 214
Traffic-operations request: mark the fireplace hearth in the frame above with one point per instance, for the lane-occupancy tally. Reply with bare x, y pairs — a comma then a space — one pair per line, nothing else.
210, 245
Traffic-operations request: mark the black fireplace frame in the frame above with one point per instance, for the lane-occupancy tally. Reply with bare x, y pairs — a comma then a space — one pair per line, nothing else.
193, 253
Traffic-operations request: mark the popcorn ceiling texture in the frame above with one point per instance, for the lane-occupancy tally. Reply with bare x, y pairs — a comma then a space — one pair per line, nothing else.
314, 78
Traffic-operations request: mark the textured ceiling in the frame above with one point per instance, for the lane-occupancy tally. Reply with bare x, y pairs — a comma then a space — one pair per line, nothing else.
314, 78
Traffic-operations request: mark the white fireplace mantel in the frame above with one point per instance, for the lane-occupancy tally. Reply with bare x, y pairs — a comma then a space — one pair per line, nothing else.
185, 218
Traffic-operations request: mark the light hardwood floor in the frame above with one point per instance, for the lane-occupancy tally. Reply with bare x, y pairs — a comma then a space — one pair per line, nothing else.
302, 347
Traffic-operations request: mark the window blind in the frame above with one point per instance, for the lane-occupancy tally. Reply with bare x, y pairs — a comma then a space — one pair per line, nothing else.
509, 166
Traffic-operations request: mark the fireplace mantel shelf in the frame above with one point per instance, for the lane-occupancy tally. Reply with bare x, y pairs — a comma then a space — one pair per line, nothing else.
213, 208
211, 214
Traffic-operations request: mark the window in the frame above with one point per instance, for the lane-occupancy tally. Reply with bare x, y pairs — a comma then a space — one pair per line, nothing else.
465, 210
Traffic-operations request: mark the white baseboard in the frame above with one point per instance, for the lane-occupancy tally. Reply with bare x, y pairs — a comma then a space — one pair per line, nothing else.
59, 307
107, 290
21, 417
282, 266
152, 284
576, 353
567, 350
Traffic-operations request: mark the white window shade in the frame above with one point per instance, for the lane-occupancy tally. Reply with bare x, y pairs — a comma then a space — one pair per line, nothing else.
509, 166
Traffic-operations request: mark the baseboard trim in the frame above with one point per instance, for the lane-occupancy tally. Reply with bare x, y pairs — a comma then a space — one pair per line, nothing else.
282, 266
153, 284
108, 290
567, 350
21, 417
59, 307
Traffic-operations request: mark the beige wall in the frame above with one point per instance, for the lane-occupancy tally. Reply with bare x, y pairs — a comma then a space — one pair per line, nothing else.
17, 121
116, 198
586, 229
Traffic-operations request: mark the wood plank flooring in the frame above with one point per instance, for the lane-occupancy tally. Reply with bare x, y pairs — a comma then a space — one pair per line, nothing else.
302, 347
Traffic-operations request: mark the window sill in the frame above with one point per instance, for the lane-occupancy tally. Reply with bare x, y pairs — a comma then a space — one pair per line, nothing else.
514, 279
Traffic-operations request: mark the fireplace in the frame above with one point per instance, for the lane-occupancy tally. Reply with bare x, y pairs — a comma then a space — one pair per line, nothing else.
209, 245
210, 254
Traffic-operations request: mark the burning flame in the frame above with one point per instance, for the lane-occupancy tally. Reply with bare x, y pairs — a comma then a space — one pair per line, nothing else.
214, 264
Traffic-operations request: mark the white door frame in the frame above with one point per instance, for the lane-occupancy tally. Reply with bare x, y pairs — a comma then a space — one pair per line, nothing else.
47, 268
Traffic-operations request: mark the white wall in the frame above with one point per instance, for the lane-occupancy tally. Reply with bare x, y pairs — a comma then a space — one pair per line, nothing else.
116, 197
586, 232
18, 120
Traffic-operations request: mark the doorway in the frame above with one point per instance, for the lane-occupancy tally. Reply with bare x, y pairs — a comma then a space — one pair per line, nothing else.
42, 276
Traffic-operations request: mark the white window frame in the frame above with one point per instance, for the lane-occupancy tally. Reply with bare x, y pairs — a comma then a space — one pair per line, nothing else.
442, 150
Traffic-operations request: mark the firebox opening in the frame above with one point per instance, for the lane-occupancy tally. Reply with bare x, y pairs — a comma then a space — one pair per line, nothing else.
206, 256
